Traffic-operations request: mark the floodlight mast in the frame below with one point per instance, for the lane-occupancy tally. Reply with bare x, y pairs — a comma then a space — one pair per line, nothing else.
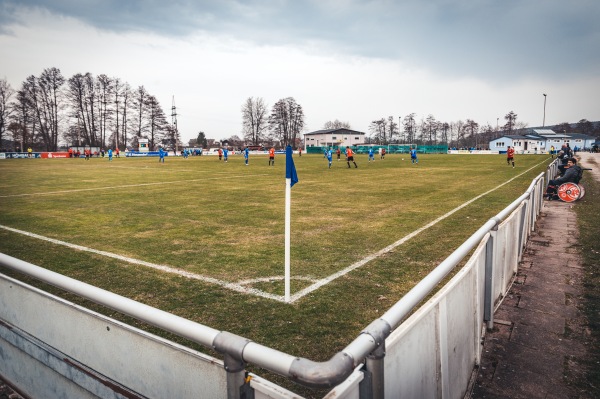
544, 120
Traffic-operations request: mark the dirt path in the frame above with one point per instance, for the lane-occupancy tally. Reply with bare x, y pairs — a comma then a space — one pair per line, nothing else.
537, 346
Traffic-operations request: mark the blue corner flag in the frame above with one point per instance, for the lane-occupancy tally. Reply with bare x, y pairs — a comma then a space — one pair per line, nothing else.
290, 169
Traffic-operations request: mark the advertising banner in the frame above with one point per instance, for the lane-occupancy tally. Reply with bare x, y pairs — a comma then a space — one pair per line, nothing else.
55, 155
143, 154
21, 155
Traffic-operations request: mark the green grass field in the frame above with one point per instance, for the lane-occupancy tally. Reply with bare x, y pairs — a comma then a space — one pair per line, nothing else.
225, 221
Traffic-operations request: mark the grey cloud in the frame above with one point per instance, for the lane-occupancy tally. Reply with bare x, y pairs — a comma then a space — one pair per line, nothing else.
495, 40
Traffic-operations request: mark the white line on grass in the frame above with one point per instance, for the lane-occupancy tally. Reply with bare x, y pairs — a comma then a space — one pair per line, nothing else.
164, 268
300, 294
128, 186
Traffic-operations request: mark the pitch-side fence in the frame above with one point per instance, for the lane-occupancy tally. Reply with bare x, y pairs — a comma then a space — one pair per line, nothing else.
53, 348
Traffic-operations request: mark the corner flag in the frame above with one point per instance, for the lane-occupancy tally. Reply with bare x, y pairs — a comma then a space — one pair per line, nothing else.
291, 178
290, 169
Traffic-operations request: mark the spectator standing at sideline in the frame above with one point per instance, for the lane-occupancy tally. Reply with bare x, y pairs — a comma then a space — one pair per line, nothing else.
510, 156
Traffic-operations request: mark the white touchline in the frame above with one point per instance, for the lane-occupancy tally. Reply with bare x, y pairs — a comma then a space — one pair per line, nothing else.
128, 185
164, 268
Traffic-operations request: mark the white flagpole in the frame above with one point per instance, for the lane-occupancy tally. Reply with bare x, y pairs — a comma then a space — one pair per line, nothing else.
288, 200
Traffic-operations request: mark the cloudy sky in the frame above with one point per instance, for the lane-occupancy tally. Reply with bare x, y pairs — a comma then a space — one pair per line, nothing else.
352, 60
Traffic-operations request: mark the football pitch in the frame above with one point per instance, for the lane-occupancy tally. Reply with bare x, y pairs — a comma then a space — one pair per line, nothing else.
204, 239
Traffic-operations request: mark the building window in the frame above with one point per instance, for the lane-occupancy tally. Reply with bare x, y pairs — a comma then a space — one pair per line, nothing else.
356, 138
499, 143
333, 137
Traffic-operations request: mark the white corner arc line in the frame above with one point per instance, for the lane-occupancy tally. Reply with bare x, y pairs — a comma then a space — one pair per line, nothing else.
300, 294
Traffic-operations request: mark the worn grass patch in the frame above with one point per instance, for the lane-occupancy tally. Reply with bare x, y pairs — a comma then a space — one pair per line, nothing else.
226, 221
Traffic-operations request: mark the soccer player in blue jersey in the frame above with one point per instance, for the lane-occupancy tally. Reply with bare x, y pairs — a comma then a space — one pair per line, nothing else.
225, 154
246, 155
413, 155
329, 157
371, 155
161, 155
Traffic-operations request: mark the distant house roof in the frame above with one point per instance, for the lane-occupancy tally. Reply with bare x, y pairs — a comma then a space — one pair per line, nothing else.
511, 136
544, 135
340, 130
543, 131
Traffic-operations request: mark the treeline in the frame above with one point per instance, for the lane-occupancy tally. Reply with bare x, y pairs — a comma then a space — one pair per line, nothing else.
466, 133
82, 110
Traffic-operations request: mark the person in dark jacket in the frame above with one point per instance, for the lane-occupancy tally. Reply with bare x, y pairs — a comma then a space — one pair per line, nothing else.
572, 174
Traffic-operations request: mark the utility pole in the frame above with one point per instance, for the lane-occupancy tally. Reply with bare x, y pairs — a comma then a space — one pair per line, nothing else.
174, 123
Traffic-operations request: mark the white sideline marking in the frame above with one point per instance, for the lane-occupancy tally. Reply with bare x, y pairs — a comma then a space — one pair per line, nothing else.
239, 286
164, 268
129, 185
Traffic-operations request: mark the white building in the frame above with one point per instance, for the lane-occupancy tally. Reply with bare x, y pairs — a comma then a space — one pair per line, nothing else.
540, 141
333, 137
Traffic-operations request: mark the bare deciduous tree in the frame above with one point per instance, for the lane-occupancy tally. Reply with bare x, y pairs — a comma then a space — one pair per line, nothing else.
6, 92
254, 119
157, 121
336, 124
286, 121
82, 99
43, 96
410, 127
140, 97
471, 130
511, 119
104, 87
384, 130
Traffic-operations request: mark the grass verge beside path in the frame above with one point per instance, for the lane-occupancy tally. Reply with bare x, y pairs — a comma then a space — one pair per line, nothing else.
588, 217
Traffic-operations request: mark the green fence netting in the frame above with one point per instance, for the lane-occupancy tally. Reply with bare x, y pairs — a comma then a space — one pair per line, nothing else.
390, 149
